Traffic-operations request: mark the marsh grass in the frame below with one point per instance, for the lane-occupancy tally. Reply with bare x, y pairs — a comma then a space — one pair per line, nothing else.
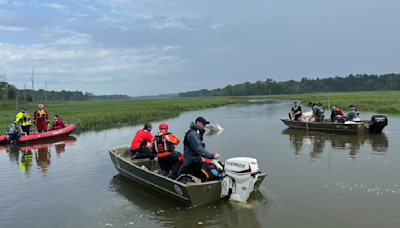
106, 114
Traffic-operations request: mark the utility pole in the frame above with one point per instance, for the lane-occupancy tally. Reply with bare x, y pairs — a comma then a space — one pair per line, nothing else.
17, 101
45, 92
25, 89
33, 85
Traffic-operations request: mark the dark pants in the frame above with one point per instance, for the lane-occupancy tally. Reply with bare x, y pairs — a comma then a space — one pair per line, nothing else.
319, 117
198, 169
141, 153
168, 161
295, 116
26, 129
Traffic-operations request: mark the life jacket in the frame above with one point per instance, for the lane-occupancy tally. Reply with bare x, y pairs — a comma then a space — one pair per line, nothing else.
161, 145
23, 118
41, 114
295, 108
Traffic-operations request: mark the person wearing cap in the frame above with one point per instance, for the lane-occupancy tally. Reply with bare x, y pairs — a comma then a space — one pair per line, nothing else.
194, 150
24, 120
318, 112
353, 113
336, 113
58, 123
296, 111
139, 147
164, 145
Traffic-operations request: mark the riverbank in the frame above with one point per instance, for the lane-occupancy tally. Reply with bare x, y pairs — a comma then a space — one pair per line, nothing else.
105, 114
382, 102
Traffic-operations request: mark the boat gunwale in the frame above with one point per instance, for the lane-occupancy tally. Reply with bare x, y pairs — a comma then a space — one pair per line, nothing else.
187, 186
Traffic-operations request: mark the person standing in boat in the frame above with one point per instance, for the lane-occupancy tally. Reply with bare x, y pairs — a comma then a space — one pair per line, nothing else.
139, 147
318, 112
41, 118
164, 145
353, 113
58, 123
194, 150
24, 120
296, 111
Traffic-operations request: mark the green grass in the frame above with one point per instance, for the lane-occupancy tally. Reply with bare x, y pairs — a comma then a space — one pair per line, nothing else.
382, 102
106, 114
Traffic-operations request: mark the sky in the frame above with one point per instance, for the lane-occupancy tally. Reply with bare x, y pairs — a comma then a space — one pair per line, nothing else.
150, 47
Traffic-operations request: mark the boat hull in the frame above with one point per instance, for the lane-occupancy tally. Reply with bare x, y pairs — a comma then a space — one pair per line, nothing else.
36, 137
362, 127
189, 194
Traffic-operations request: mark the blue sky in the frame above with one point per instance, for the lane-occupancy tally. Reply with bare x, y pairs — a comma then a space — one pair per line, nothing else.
149, 47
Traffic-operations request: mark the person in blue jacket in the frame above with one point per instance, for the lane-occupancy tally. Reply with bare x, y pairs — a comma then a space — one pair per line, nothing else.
194, 150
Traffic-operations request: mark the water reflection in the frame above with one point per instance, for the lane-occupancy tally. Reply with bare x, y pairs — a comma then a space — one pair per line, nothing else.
25, 155
300, 138
175, 214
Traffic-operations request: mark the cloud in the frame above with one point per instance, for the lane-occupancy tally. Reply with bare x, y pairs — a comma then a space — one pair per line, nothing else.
58, 7
12, 28
18, 3
2, 2
217, 25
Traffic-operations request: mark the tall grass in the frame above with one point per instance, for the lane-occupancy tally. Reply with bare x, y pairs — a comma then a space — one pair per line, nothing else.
382, 102
105, 114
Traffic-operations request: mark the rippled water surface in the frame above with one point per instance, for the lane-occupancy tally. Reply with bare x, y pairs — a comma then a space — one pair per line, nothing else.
314, 179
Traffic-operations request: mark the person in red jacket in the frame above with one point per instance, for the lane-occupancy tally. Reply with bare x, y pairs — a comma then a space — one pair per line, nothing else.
41, 119
58, 123
139, 147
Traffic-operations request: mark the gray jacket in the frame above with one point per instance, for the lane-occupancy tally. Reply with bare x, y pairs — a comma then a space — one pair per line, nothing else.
352, 114
194, 147
317, 110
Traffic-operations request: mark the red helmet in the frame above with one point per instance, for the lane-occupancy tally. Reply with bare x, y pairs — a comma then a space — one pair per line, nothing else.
163, 125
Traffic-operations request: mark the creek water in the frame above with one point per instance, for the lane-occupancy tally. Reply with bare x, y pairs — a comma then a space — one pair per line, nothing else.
314, 179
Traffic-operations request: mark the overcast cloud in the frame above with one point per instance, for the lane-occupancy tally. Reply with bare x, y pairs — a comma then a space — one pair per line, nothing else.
149, 47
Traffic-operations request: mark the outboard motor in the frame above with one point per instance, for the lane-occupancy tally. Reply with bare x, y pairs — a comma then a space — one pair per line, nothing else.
241, 175
378, 122
12, 134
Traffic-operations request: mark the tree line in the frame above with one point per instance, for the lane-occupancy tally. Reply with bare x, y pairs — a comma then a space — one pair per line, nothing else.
10, 92
350, 83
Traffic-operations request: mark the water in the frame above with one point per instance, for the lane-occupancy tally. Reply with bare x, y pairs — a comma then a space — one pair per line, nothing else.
314, 179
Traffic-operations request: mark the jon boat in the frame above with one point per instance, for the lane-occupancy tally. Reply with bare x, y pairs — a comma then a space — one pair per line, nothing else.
375, 125
35, 136
145, 172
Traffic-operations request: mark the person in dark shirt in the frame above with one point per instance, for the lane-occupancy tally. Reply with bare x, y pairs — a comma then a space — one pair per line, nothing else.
296, 111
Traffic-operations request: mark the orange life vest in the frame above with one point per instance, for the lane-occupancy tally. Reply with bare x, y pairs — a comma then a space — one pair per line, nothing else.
164, 143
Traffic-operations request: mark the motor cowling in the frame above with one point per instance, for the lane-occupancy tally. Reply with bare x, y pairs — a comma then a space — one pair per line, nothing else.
12, 133
241, 175
378, 122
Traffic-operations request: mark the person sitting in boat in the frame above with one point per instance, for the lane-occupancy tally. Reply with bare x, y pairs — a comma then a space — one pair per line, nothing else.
164, 145
58, 123
41, 118
296, 111
24, 120
139, 147
352, 114
336, 113
194, 150
318, 112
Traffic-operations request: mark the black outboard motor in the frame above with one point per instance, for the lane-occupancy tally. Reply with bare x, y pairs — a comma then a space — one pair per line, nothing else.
12, 134
378, 122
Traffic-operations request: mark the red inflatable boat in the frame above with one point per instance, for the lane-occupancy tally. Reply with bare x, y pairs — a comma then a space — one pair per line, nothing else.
35, 137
